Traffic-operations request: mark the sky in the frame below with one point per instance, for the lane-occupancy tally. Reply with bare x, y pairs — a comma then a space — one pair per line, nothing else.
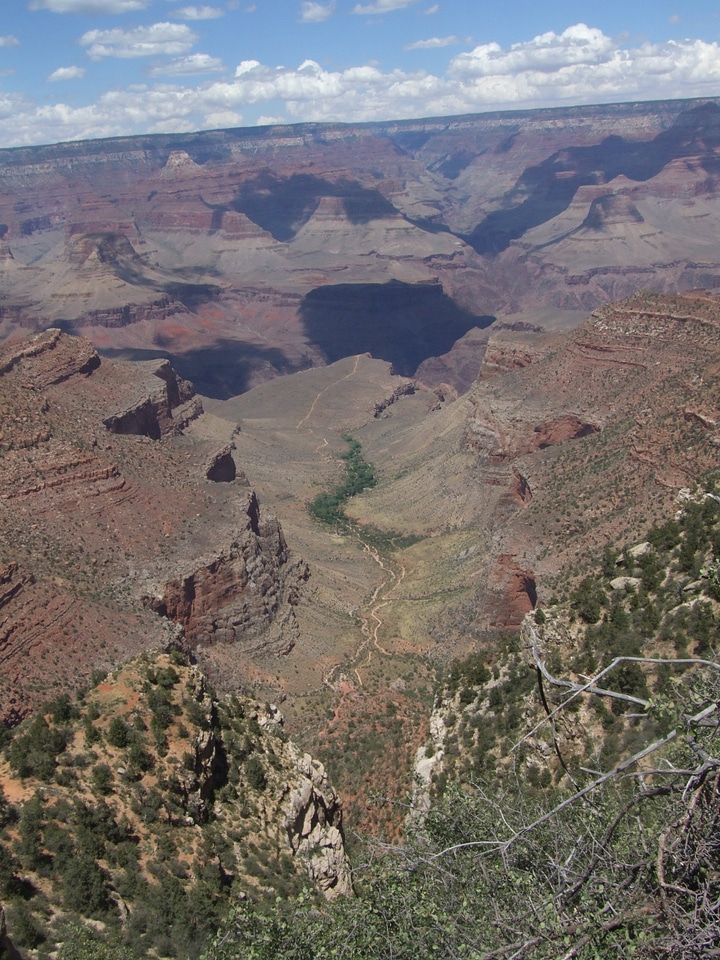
80, 69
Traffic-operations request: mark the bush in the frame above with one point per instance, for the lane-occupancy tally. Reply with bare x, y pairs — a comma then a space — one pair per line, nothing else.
118, 733
255, 773
33, 753
102, 778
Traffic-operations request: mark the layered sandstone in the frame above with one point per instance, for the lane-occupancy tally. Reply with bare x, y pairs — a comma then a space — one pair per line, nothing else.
105, 499
220, 248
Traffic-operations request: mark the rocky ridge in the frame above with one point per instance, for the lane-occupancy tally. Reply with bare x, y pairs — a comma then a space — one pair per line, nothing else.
223, 248
208, 797
532, 706
105, 501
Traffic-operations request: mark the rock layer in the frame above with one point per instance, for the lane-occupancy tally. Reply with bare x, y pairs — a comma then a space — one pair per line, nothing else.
223, 249
104, 501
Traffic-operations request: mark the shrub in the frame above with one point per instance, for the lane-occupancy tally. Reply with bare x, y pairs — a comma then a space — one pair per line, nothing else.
118, 733
102, 778
255, 773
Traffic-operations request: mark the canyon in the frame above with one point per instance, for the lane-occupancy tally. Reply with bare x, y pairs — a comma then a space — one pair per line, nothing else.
246, 254
514, 315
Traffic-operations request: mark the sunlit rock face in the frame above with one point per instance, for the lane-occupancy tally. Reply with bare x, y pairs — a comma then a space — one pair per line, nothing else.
246, 254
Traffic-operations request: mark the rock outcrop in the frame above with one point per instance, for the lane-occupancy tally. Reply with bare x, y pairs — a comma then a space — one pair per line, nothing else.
221, 467
176, 768
100, 510
166, 410
314, 826
233, 596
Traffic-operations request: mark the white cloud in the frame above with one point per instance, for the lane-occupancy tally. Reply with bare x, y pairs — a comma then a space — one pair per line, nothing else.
577, 66
431, 10
9, 41
432, 43
223, 118
158, 39
382, 6
316, 12
89, 6
548, 53
245, 66
198, 13
195, 64
67, 73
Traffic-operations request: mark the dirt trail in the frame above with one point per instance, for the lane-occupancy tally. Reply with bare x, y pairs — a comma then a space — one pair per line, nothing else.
371, 621
325, 390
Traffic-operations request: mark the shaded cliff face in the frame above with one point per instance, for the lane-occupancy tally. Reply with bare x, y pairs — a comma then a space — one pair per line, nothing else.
225, 250
123, 524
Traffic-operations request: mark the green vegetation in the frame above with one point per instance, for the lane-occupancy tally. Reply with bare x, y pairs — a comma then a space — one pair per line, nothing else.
329, 507
575, 817
576, 813
144, 823
359, 475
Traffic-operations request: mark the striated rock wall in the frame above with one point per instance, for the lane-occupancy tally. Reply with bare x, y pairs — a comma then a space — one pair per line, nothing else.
213, 241
234, 595
167, 410
99, 512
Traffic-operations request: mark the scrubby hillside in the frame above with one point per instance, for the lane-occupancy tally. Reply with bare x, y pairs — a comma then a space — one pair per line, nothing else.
143, 808
568, 803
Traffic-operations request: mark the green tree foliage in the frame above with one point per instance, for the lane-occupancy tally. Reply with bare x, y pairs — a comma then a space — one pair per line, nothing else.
118, 733
255, 773
620, 867
85, 943
588, 600
34, 751
328, 507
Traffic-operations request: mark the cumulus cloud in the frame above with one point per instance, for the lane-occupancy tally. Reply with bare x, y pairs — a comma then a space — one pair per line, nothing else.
195, 64
222, 119
316, 12
382, 6
580, 65
67, 73
198, 13
89, 6
432, 43
9, 41
158, 39
548, 53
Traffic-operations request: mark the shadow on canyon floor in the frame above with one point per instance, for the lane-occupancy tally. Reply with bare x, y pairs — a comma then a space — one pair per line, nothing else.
223, 370
402, 323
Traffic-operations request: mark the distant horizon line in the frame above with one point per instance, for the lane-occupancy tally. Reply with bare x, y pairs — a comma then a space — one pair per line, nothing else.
267, 131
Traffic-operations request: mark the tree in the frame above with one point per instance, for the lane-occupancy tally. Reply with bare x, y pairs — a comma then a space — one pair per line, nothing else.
622, 864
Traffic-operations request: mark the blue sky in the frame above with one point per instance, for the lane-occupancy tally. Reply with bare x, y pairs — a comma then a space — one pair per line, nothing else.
75, 69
